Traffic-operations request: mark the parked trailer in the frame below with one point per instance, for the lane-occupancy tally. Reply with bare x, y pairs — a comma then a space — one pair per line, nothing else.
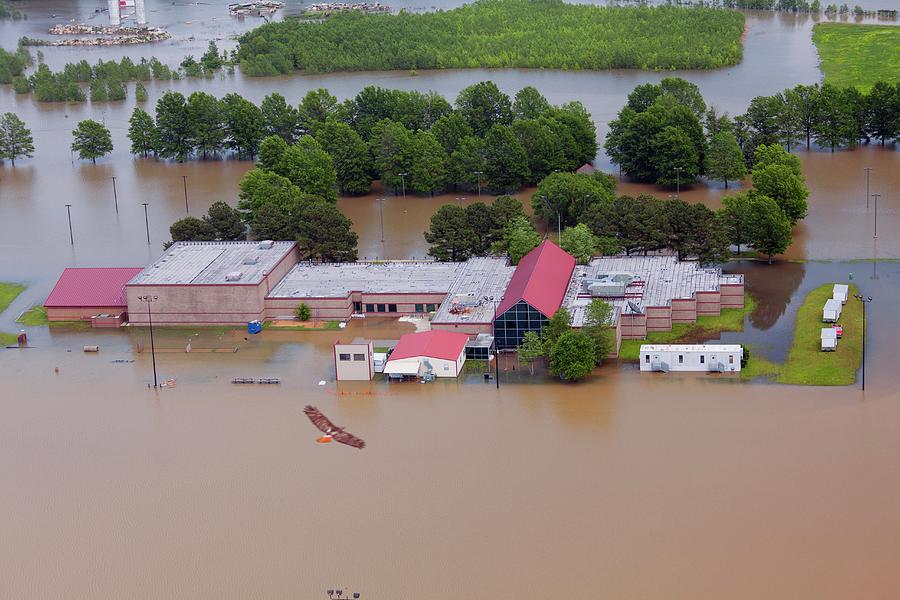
829, 339
716, 358
841, 292
831, 312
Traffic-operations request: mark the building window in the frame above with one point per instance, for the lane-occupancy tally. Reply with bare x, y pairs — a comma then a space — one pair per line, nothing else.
702, 359
392, 308
431, 307
446, 367
370, 308
359, 357
357, 307
681, 359
420, 308
343, 357
731, 359
646, 358
381, 308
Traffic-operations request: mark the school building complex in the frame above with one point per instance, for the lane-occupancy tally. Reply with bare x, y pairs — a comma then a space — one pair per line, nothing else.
232, 283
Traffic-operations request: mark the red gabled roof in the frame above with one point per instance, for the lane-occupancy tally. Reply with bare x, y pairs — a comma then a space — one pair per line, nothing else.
541, 279
446, 345
98, 287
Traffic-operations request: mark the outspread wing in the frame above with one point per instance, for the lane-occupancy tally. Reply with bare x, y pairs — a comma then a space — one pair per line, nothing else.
319, 420
349, 439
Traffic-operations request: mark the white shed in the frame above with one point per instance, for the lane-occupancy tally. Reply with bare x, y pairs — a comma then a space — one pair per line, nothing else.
717, 358
437, 353
831, 312
829, 339
841, 292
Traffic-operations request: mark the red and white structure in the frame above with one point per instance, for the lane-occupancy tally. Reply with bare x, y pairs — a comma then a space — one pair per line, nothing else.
439, 353
94, 294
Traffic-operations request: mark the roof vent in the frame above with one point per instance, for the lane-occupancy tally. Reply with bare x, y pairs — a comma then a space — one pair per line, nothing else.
251, 260
234, 276
266, 245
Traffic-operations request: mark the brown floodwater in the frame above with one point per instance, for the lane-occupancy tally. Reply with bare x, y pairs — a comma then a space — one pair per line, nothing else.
631, 485
623, 486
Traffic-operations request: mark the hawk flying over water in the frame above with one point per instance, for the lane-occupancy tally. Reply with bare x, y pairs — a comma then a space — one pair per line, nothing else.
331, 431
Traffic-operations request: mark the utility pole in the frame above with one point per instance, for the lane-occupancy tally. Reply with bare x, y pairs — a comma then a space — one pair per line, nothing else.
678, 182
115, 195
864, 300
150, 299
381, 206
478, 174
868, 170
876, 196
146, 221
69, 212
402, 177
184, 181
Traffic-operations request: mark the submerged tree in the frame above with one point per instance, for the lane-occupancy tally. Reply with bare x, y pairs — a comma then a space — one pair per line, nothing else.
15, 138
91, 139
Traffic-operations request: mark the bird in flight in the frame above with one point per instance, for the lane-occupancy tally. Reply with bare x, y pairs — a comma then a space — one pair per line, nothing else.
331, 431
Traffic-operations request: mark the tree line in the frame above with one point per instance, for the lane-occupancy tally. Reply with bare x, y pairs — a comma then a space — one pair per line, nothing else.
410, 141
666, 134
106, 80
499, 34
592, 220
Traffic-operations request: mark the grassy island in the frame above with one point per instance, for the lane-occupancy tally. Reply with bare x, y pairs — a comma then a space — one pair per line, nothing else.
858, 55
500, 34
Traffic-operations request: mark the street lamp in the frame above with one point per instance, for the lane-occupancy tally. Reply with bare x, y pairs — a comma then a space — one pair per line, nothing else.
115, 195
864, 300
478, 174
867, 169
496, 347
402, 177
678, 182
381, 207
460, 199
149, 300
69, 212
146, 221
876, 196
184, 181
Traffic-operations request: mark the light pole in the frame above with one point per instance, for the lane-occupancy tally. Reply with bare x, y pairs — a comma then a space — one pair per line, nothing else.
496, 347
868, 170
558, 218
876, 196
864, 300
460, 199
146, 221
402, 177
149, 300
69, 212
478, 174
381, 207
184, 181
115, 195
678, 182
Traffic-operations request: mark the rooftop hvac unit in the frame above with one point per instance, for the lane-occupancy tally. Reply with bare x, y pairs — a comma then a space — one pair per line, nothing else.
467, 300
266, 245
606, 289
234, 276
251, 260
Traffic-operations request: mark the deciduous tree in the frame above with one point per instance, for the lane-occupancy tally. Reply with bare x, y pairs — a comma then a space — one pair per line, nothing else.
579, 241
15, 138
91, 139
450, 235
572, 356
725, 160
770, 228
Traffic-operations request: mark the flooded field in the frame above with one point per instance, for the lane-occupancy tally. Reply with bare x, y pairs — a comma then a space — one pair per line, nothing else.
624, 486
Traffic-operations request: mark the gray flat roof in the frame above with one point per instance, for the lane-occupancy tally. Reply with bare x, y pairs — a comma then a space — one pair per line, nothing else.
210, 263
659, 280
338, 280
479, 279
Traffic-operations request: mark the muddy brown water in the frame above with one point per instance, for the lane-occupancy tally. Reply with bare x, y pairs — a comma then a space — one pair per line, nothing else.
624, 486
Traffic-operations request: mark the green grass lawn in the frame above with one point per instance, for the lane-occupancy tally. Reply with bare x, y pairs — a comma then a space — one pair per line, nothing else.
8, 293
731, 319
858, 55
34, 317
806, 363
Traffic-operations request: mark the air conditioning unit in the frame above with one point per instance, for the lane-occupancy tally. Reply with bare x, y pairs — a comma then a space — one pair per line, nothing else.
251, 260
266, 245
234, 276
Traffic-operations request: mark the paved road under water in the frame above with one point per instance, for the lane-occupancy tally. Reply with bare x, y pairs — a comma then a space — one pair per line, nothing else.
624, 486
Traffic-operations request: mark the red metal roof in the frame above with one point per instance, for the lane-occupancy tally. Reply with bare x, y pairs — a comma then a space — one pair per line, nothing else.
98, 287
446, 345
541, 279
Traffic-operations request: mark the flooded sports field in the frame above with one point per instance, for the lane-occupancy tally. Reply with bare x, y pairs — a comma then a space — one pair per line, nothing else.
626, 485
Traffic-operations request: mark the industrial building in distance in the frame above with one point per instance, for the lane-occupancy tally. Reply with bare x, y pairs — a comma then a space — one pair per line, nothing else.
233, 283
